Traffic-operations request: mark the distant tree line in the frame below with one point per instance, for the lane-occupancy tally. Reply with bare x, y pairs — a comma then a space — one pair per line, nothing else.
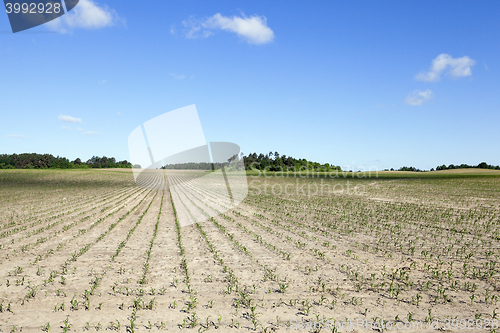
270, 162
105, 162
233, 163
48, 161
482, 165
405, 168
191, 166
276, 162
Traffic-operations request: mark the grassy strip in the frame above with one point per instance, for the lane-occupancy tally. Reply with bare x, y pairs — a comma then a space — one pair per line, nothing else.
370, 175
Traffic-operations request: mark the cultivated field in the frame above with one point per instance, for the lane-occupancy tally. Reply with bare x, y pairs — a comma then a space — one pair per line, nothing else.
89, 250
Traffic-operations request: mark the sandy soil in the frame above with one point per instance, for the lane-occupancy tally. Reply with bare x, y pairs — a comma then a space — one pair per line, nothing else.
91, 251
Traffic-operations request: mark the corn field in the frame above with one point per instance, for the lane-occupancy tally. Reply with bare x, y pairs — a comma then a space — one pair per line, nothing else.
89, 250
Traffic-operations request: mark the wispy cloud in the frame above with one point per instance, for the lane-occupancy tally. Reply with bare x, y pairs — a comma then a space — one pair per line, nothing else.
69, 119
16, 136
419, 97
252, 29
85, 132
446, 64
88, 14
178, 76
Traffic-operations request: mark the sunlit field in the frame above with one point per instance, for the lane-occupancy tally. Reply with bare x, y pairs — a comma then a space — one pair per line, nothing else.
89, 250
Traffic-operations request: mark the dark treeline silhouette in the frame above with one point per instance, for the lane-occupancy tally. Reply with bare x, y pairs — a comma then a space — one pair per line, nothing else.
192, 166
233, 163
405, 168
275, 162
482, 165
105, 162
48, 161
268, 162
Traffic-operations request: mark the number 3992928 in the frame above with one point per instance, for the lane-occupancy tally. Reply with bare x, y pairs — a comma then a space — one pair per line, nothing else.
33, 8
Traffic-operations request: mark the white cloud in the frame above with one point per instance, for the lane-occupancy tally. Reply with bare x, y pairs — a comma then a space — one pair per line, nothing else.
178, 76
16, 136
194, 29
69, 119
90, 133
419, 97
88, 14
444, 63
252, 29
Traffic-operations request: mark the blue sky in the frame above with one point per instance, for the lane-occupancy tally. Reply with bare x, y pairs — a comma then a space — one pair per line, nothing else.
380, 84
